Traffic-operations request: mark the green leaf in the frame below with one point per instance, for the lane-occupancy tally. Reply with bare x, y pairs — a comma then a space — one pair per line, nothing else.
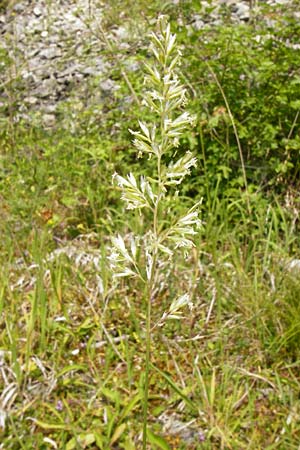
71, 368
295, 104
117, 433
50, 426
86, 326
174, 386
158, 441
112, 396
69, 201
83, 439
131, 405
99, 440
128, 444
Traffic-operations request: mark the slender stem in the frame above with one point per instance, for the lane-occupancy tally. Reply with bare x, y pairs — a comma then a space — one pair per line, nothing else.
156, 233
147, 370
150, 295
235, 133
294, 124
148, 312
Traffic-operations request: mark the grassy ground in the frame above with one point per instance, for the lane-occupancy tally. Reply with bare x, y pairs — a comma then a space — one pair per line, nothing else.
226, 376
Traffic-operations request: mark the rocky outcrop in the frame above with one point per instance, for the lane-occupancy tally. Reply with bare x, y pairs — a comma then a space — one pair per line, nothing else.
57, 47
54, 48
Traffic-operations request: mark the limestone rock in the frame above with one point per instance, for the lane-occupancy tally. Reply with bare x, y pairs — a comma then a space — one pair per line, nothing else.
59, 51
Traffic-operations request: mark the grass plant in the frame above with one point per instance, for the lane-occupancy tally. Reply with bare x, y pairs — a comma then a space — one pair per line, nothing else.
165, 96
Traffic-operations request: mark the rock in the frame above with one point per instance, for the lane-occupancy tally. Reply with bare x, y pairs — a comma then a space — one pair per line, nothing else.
46, 89
121, 33
205, 5
271, 23
37, 11
50, 108
90, 71
69, 71
297, 15
31, 100
34, 26
100, 63
132, 65
124, 46
78, 76
64, 80
50, 53
29, 77
198, 23
227, 2
49, 120
19, 7
243, 11
107, 85
61, 50
217, 22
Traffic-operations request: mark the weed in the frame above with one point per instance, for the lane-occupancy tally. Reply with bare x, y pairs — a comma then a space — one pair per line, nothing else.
157, 140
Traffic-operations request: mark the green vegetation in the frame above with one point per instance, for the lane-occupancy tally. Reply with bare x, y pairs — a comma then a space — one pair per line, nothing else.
223, 375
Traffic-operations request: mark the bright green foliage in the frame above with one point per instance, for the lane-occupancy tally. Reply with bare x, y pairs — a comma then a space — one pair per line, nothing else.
257, 68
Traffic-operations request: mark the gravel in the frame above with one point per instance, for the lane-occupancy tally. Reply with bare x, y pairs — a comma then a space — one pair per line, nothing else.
56, 46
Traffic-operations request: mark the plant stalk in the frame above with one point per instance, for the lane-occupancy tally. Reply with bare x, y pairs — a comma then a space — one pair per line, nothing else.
147, 370
149, 301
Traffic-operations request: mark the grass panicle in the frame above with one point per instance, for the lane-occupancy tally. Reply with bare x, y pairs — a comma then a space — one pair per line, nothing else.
165, 97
